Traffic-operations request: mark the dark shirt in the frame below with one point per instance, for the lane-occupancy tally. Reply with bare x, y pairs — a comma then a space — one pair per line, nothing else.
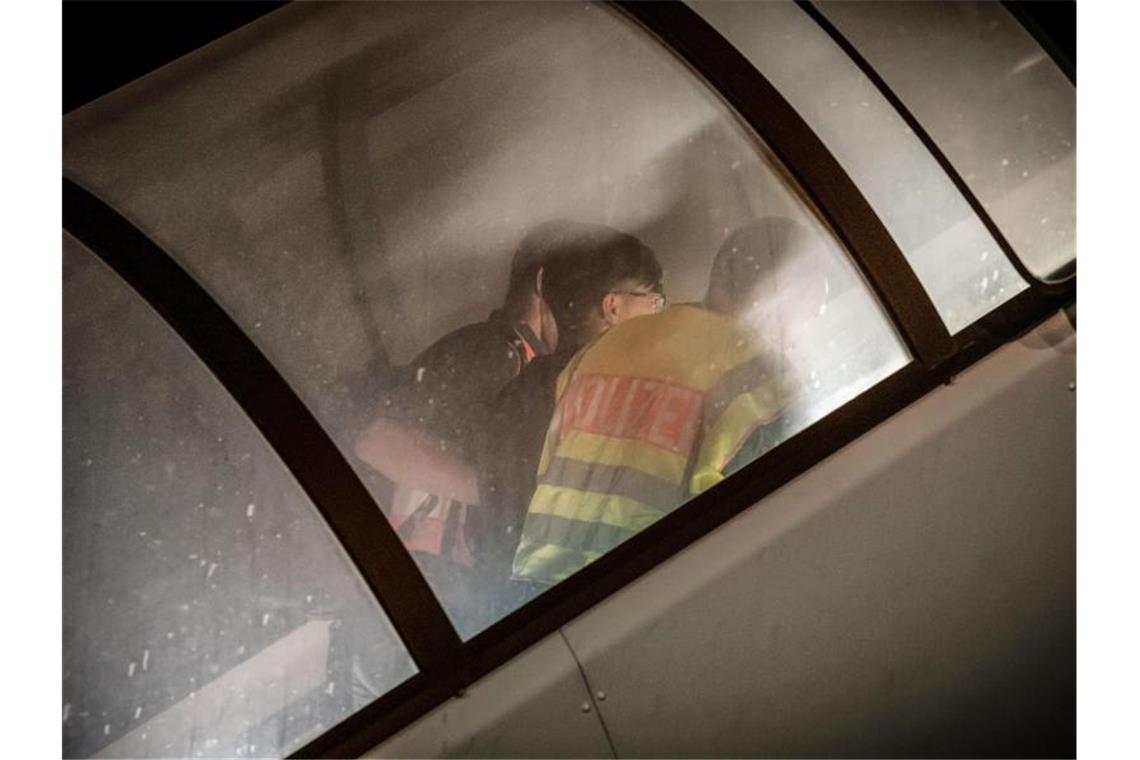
447, 390
512, 441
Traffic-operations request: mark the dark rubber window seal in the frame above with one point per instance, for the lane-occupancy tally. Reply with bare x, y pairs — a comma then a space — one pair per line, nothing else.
1064, 278
288, 426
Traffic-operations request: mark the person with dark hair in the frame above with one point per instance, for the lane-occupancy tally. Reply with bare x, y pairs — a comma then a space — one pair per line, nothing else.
442, 427
597, 278
437, 408
600, 279
655, 411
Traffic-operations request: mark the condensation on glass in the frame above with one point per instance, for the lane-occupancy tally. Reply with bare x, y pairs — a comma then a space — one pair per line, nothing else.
351, 181
207, 610
959, 263
996, 104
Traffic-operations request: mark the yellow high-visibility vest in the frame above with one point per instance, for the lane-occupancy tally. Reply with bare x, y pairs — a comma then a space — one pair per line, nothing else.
648, 415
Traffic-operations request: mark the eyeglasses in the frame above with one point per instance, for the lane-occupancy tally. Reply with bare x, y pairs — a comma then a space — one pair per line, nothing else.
657, 299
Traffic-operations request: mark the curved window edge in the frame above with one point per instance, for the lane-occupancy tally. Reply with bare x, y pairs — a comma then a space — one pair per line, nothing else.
1056, 50
287, 425
1061, 280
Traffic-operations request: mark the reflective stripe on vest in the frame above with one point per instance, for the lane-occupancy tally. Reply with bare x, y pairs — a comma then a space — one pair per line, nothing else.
648, 416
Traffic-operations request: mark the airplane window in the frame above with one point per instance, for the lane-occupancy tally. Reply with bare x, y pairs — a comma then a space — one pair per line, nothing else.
421, 212
207, 610
959, 263
1004, 114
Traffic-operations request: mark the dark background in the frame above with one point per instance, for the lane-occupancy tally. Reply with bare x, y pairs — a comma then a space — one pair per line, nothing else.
107, 43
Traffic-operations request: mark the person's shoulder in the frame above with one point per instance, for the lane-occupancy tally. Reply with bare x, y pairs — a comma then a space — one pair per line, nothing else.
645, 332
491, 339
474, 333
540, 373
712, 327
676, 317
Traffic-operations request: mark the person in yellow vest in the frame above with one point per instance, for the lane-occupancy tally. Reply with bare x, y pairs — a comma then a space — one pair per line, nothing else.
659, 408
458, 435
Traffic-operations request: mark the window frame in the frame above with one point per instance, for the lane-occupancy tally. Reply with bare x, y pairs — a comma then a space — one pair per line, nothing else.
1068, 273
447, 664
275, 409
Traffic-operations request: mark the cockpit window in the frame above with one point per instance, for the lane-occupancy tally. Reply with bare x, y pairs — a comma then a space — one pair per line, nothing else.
1004, 115
207, 609
428, 216
959, 263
